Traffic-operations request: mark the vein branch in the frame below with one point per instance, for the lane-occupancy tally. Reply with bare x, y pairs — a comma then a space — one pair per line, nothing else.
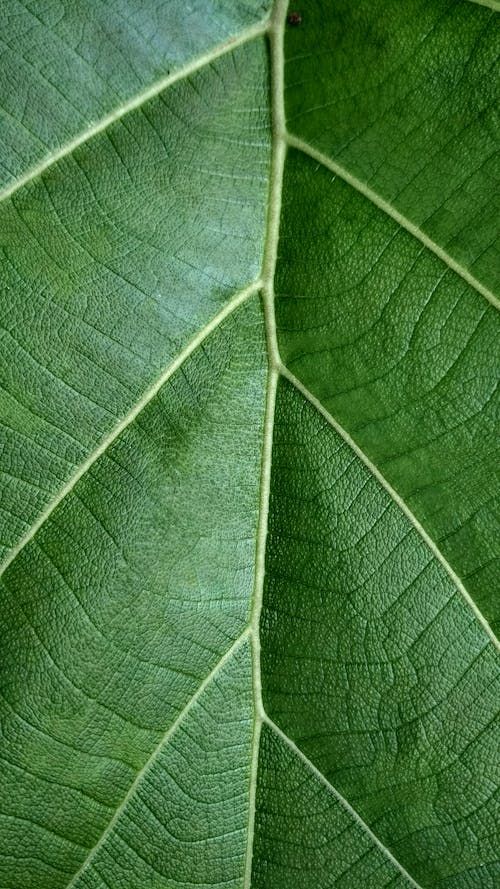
391, 211
156, 752
341, 799
132, 104
134, 412
490, 4
285, 372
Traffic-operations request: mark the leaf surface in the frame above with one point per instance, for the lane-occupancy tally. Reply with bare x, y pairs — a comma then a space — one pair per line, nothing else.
249, 521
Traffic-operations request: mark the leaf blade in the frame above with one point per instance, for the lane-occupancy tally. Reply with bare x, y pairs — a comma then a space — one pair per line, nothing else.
62, 73
162, 530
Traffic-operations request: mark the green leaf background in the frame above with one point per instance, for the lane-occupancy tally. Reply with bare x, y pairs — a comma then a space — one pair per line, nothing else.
249, 445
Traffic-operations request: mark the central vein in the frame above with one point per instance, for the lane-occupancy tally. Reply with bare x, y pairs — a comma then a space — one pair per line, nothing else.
276, 38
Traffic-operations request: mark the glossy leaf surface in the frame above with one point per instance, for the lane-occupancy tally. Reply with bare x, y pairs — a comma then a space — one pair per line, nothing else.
249, 446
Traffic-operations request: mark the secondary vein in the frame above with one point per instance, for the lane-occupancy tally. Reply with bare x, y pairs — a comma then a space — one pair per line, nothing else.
341, 799
134, 411
164, 740
134, 103
396, 497
391, 211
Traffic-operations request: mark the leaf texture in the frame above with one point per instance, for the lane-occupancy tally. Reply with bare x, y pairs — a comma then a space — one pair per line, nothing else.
249, 446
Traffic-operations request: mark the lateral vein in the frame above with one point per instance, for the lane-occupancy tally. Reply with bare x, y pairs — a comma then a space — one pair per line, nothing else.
490, 4
135, 102
164, 740
285, 372
341, 799
391, 211
150, 393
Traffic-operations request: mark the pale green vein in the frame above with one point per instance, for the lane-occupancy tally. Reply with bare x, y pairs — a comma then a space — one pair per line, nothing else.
391, 211
265, 485
490, 4
132, 104
163, 741
278, 152
396, 497
139, 406
340, 799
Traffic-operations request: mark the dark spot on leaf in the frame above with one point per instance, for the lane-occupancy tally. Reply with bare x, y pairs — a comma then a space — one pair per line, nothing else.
294, 19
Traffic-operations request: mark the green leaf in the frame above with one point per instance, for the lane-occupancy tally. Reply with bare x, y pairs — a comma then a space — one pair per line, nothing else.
249, 442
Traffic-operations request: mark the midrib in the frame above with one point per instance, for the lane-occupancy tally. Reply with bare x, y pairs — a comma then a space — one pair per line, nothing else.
278, 152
